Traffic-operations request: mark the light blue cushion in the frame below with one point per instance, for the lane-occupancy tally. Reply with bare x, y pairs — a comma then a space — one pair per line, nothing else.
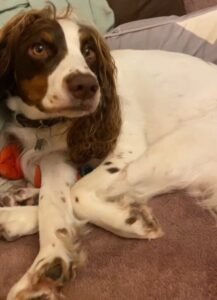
96, 11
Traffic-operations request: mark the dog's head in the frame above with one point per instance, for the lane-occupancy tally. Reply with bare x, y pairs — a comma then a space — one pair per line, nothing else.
58, 67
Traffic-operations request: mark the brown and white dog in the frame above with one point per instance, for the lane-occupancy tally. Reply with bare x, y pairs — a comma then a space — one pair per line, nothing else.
150, 117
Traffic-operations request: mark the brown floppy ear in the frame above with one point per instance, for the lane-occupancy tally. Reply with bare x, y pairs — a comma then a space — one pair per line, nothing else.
95, 136
5, 59
9, 37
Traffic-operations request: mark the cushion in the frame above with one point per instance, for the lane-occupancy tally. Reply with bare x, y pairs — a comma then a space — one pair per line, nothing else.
95, 11
194, 34
131, 10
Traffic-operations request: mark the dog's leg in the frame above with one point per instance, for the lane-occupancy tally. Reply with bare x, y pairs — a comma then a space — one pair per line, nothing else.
18, 221
59, 234
184, 159
121, 215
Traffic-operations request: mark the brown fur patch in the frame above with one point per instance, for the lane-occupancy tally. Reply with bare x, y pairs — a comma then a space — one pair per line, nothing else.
34, 89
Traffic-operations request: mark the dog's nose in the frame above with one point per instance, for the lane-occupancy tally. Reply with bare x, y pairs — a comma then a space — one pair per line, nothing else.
82, 86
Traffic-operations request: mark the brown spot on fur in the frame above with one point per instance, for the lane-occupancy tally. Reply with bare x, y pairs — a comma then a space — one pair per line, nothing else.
131, 220
139, 210
76, 199
107, 163
63, 199
113, 170
41, 197
34, 89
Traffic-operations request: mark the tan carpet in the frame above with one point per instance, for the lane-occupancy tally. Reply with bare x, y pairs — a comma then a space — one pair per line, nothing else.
180, 266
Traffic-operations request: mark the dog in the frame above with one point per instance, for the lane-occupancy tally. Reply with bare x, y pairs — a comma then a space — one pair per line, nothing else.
148, 119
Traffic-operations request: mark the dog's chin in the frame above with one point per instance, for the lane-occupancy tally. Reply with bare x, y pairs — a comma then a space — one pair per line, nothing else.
72, 111
42, 112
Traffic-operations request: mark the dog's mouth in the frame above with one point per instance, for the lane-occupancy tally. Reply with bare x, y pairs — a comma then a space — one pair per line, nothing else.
66, 110
75, 107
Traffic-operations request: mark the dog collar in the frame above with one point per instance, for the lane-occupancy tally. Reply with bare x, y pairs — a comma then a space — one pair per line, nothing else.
40, 123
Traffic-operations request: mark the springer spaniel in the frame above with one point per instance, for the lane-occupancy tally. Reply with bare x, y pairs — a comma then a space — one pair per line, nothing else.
148, 117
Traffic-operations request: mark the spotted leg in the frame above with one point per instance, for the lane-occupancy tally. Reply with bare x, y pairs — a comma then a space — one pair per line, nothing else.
59, 229
122, 215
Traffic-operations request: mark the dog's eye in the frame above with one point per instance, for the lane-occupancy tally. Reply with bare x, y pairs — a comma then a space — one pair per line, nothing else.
89, 55
88, 51
39, 51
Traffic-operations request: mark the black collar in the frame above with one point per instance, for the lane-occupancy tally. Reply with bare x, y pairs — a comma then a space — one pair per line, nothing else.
25, 122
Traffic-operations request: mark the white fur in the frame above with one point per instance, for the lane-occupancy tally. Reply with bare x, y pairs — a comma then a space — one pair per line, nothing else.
168, 140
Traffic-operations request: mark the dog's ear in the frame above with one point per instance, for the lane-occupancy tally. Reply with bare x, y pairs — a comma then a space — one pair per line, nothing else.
9, 38
106, 70
95, 136
5, 58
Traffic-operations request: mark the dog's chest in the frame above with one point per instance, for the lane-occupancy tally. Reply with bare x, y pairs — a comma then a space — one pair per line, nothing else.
40, 140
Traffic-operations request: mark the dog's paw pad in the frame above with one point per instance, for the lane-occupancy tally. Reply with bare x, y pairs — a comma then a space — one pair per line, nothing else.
55, 270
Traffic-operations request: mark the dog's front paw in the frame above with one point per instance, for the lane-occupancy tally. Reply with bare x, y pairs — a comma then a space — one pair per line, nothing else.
121, 215
135, 221
44, 282
55, 264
